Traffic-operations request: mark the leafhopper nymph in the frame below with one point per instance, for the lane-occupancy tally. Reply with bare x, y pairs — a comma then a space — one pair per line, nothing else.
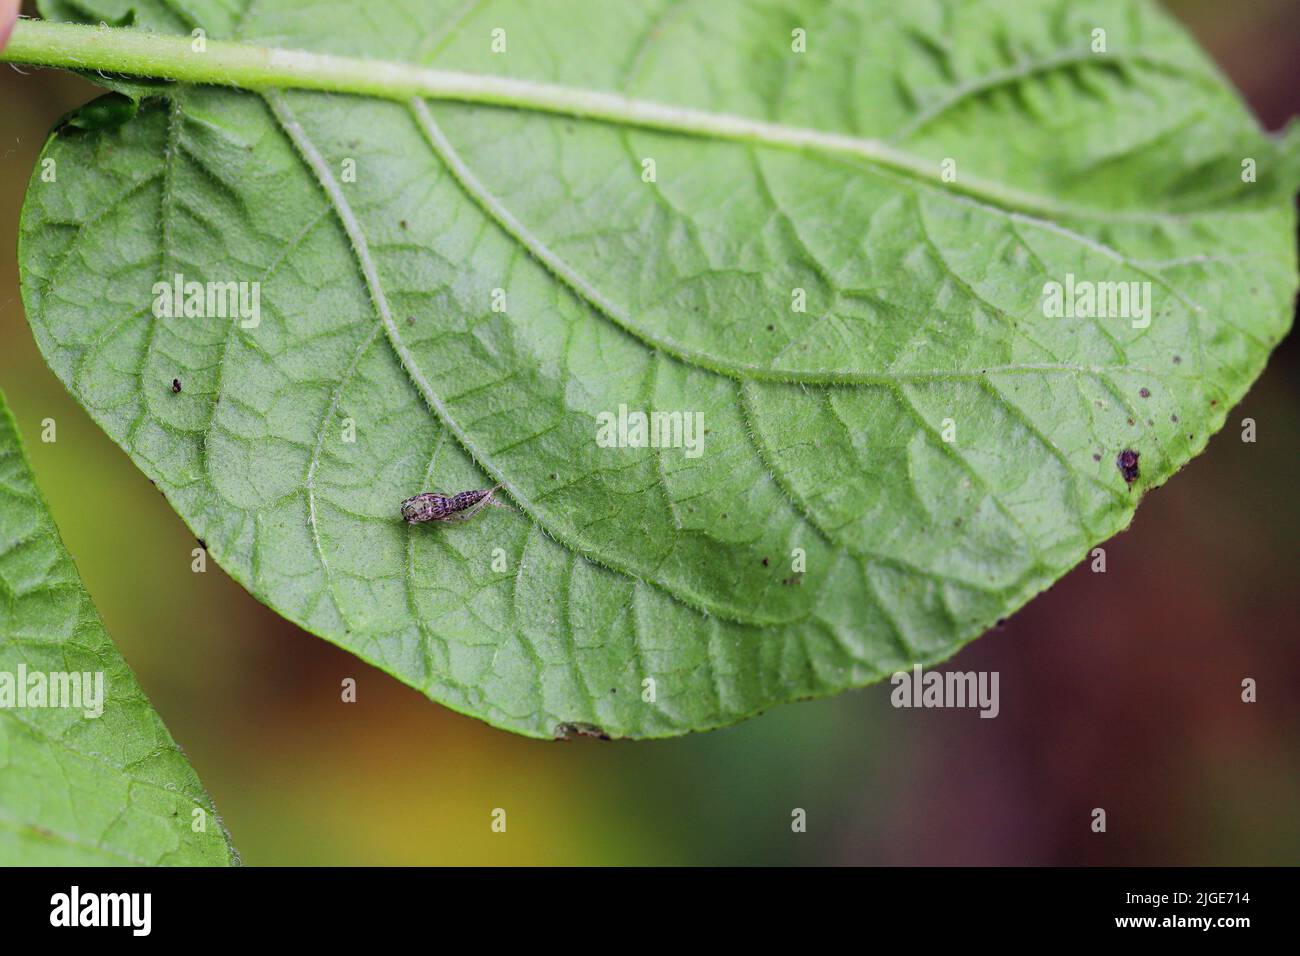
435, 506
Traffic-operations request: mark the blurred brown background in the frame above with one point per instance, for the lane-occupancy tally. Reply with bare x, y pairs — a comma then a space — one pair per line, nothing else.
1119, 690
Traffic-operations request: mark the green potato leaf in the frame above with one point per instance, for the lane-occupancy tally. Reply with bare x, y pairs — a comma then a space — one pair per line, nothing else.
823, 231
100, 782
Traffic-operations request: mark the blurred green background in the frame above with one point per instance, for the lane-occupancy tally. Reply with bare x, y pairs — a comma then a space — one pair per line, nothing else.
1118, 690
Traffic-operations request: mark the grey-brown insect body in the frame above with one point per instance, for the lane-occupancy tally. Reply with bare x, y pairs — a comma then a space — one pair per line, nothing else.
435, 506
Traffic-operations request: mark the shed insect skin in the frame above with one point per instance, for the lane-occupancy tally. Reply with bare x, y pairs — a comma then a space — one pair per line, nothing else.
435, 506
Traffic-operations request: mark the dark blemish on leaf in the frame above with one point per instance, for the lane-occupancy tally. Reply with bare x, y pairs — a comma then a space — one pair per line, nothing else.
957, 523
554, 476
1001, 622
570, 730
766, 562
176, 386
410, 320
796, 578
1174, 419
202, 544
1096, 457
1213, 402
1127, 462
1178, 360
1144, 392
771, 328
724, 516
1130, 421
402, 223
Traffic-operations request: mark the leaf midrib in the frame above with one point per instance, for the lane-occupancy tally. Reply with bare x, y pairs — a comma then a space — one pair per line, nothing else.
262, 69
529, 95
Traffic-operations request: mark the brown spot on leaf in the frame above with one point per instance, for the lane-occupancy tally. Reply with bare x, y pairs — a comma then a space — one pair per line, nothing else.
176, 386
1144, 392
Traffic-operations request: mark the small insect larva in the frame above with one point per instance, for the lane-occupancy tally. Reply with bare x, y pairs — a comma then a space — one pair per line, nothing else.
569, 731
435, 506
1127, 462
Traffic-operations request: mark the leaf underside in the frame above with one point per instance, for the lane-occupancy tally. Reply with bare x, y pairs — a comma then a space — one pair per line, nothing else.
825, 428
76, 790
